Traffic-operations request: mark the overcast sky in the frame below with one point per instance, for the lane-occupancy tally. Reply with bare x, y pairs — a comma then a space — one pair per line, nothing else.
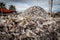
24, 4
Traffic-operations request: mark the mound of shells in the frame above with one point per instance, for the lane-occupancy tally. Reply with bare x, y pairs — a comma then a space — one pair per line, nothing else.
36, 24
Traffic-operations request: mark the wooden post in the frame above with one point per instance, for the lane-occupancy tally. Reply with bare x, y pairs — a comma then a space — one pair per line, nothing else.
50, 8
1, 12
37, 3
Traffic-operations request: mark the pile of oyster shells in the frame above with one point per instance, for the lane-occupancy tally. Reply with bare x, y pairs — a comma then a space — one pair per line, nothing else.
33, 24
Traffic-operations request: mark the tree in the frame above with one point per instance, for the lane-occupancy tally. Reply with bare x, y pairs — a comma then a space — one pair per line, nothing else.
2, 5
12, 7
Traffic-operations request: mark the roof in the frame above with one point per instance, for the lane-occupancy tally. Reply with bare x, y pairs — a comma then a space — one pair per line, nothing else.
5, 10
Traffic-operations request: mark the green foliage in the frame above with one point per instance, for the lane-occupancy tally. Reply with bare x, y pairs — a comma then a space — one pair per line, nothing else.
2, 5
12, 7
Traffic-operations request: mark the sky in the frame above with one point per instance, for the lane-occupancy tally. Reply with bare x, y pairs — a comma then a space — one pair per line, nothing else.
22, 5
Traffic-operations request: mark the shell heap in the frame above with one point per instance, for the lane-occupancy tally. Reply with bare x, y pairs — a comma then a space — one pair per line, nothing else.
33, 23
